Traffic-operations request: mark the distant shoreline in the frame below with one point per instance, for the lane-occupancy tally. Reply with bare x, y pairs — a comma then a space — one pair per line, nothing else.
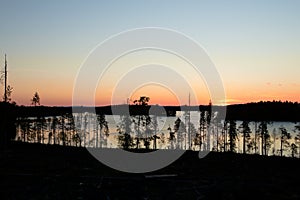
261, 111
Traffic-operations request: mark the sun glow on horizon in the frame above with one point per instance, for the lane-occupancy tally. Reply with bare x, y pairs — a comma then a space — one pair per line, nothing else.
254, 45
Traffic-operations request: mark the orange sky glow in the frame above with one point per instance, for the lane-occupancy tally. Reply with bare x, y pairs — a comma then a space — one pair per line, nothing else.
253, 45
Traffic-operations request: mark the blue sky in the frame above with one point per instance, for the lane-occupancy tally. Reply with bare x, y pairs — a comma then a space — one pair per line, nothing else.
254, 44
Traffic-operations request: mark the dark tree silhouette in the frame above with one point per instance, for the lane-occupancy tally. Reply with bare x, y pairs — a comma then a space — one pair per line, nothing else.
48, 121
85, 128
294, 149
143, 101
70, 128
193, 132
125, 140
162, 139
172, 137
180, 130
208, 127
147, 131
216, 125
41, 125
104, 130
7, 95
265, 137
297, 137
25, 128
155, 129
155, 138
274, 141
63, 129
4, 76
245, 131
35, 99
232, 133
54, 127
284, 140
141, 121
202, 130
255, 137
225, 133
79, 133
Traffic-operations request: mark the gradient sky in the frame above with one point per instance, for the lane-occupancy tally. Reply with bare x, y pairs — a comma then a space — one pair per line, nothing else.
255, 44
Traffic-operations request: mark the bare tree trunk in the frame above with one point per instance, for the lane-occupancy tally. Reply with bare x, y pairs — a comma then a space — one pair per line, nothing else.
262, 143
281, 147
244, 142
53, 133
5, 80
97, 135
255, 137
225, 141
208, 138
217, 131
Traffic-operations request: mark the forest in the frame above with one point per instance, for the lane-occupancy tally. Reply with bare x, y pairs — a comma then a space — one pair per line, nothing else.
244, 130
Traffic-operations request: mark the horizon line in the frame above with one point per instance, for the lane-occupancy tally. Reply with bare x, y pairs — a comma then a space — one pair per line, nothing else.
107, 105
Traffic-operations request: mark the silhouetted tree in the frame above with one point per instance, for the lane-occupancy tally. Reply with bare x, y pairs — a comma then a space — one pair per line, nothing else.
85, 129
162, 140
265, 137
147, 131
297, 137
7, 96
41, 125
62, 127
197, 140
155, 129
294, 149
53, 128
232, 133
274, 141
48, 124
70, 128
140, 121
193, 131
143, 101
224, 134
180, 130
216, 124
256, 132
79, 132
284, 143
245, 130
125, 140
35, 99
32, 137
208, 122
7, 88
25, 128
104, 130
202, 130
172, 137
155, 138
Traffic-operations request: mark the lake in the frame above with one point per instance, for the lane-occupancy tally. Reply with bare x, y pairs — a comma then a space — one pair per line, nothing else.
83, 129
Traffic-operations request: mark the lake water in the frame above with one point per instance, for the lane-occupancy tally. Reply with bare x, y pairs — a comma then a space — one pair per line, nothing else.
87, 128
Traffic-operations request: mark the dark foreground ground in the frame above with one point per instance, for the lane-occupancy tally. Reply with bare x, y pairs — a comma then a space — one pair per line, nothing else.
32, 171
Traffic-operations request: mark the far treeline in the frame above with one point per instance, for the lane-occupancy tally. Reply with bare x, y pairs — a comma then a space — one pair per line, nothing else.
260, 111
57, 125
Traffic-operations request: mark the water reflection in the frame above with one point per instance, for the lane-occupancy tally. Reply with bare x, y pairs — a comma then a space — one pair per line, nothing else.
159, 132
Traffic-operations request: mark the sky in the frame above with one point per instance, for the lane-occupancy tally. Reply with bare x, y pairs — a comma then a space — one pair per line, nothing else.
254, 45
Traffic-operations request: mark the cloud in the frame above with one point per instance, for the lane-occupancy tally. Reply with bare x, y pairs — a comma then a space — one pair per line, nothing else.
228, 101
